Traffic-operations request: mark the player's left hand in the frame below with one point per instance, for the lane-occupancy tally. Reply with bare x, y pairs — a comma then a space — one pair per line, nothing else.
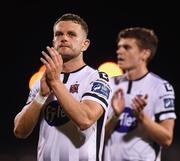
138, 103
53, 62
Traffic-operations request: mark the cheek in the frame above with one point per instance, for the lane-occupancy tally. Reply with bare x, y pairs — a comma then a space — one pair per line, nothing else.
55, 43
130, 60
78, 45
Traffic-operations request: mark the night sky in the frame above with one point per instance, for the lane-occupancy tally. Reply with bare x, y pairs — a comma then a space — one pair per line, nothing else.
27, 29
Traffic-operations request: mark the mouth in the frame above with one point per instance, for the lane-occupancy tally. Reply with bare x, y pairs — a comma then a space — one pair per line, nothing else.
63, 46
120, 59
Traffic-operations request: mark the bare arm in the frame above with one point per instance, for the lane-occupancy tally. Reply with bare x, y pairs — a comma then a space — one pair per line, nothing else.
117, 103
84, 113
161, 133
27, 118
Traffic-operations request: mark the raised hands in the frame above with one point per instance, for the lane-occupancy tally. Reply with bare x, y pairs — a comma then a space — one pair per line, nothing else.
138, 104
53, 62
117, 102
44, 87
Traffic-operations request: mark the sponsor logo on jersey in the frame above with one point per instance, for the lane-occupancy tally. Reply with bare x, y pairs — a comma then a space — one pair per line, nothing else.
168, 102
101, 89
74, 88
54, 114
127, 121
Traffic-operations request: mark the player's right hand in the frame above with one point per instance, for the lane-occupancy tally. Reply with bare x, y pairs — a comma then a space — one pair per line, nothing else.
44, 87
118, 102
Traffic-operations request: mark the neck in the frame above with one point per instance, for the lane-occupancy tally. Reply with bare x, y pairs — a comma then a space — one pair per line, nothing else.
72, 65
136, 73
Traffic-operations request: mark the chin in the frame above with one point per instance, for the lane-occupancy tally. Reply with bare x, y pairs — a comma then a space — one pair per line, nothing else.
66, 58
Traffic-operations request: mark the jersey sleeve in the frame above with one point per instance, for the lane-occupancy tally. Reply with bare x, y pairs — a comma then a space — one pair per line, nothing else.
165, 104
113, 88
98, 89
34, 90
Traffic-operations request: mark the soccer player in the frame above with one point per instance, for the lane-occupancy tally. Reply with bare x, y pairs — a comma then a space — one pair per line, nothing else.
70, 100
142, 117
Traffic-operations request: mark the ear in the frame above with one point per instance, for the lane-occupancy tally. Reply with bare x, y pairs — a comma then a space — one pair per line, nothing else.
146, 54
85, 45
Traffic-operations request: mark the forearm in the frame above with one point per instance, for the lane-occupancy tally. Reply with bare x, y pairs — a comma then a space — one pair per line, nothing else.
26, 120
110, 125
79, 112
160, 133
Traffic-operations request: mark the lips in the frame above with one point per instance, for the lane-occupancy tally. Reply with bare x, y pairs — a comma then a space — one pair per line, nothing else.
120, 59
64, 46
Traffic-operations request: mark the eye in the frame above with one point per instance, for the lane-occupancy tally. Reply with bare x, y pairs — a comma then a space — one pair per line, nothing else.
72, 34
126, 47
58, 34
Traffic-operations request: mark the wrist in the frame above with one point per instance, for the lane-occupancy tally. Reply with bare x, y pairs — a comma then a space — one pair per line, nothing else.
40, 99
115, 116
140, 116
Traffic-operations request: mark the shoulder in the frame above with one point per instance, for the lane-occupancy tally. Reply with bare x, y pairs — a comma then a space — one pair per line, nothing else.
96, 74
161, 84
118, 79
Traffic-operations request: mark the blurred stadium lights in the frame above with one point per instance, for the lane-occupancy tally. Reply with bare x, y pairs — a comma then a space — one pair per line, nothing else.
111, 68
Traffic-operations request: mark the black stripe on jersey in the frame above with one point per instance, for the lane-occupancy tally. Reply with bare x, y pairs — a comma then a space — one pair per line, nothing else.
157, 116
131, 81
66, 76
99, 131
96, 96
156, 147
129, 87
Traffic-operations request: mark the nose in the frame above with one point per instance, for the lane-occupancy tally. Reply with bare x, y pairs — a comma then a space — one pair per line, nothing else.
118, 51
64, 38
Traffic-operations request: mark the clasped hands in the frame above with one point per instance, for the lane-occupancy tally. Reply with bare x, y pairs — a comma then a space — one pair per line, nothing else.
53, 63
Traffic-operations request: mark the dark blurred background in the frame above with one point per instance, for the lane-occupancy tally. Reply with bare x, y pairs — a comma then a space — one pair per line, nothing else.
27, 29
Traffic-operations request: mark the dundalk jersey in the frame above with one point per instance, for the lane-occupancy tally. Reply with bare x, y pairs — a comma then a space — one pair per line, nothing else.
128, 142
59, 138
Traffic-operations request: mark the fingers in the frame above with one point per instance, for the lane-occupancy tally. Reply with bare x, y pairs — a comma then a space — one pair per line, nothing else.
53, 59
139, 102
47, 61
57, 57
53, 62
118, 94
117, 102
54, 55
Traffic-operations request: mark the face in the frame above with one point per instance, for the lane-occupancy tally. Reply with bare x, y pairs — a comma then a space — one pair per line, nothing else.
69, 39
129, 55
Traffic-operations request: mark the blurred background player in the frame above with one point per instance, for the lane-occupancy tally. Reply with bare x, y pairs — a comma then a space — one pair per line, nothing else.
142, 117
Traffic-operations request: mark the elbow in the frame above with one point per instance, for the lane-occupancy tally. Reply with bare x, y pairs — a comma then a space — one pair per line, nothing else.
167, 142
85, 124
19, 133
